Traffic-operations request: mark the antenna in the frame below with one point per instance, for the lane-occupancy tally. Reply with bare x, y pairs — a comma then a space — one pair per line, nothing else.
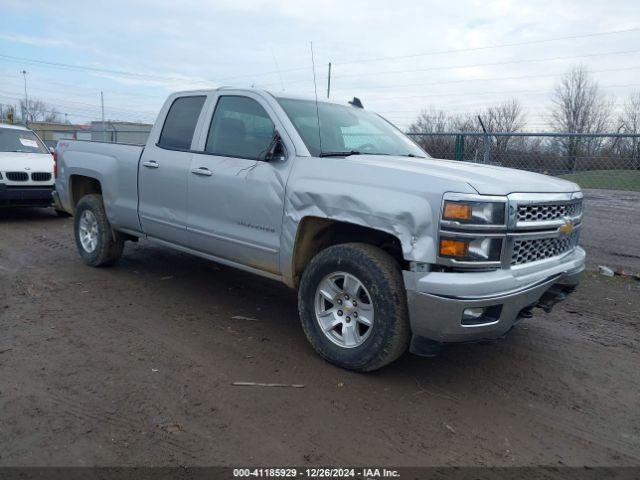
486, 157
482, 125
315, 89
356, 102
277, 68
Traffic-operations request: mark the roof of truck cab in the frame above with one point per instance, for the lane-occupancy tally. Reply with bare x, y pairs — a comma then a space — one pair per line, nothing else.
276, 95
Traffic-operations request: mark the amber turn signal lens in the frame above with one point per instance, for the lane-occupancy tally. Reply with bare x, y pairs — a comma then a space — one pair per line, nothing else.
457, 211
454, 248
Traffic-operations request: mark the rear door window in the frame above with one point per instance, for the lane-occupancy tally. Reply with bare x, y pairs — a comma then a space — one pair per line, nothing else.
177, 132
240, 128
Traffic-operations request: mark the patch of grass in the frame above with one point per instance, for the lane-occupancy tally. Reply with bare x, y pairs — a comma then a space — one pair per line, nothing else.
609, 179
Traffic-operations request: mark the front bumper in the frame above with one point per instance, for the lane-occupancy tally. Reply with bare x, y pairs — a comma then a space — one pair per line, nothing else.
437, 300
25, 196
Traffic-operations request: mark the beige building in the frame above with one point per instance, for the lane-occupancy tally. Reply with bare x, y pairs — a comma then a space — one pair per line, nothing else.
52, 132
120, 132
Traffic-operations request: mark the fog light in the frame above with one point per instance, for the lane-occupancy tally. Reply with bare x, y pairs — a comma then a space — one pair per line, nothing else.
472, 314
478, 316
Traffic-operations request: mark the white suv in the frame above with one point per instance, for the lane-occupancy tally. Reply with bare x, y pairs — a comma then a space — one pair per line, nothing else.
26, 169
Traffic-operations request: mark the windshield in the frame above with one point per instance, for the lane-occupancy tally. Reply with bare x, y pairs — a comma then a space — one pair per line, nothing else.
14, 140
346, 130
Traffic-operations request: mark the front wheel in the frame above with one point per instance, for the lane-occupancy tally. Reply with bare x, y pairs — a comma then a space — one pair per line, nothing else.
353, 306
97, 243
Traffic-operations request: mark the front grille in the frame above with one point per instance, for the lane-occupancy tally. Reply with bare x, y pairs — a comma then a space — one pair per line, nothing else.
548, 211
17, 176
40, 176
525, 251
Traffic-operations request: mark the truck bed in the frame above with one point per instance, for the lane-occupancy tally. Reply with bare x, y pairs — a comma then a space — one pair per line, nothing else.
102, 160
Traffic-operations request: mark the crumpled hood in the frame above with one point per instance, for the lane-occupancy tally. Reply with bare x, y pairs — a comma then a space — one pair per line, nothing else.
21, 161
485, 179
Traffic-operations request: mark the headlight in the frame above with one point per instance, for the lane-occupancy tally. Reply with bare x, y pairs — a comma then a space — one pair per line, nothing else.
474, 213
469, 249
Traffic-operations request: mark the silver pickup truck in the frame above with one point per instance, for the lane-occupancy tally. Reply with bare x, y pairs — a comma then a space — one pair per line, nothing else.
387, 247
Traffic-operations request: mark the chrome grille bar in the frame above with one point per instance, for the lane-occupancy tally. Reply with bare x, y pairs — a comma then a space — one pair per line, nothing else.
532, 250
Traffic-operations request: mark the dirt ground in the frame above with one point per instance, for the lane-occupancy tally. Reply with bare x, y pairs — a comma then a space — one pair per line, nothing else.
134, 365
611, 232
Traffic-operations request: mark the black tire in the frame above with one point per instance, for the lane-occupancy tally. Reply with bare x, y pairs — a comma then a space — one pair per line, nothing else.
380, 274
109, 243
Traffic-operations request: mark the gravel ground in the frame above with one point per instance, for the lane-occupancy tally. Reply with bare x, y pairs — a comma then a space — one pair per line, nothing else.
134, 365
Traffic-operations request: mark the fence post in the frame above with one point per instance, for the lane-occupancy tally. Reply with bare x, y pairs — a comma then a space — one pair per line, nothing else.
486, 154
459, 149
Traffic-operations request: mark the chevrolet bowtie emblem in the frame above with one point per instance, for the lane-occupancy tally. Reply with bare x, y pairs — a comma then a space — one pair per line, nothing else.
567, 228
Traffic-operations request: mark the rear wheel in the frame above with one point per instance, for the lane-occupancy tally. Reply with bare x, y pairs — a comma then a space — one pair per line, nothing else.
353, 307
97, 243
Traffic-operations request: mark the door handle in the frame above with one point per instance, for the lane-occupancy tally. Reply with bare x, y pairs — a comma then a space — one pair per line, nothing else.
150, 164
204, 171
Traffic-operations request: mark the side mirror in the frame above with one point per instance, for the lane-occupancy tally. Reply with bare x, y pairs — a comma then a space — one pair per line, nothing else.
275, 151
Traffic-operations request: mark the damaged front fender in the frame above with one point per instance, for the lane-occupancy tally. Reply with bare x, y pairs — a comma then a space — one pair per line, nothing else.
384, 199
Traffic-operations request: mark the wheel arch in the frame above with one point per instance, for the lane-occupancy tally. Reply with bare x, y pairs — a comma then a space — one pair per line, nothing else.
316, 233
81, 185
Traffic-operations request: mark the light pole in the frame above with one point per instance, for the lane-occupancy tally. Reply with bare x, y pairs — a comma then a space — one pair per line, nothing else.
26, 99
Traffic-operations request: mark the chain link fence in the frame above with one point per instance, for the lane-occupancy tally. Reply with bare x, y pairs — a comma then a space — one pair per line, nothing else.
607, 161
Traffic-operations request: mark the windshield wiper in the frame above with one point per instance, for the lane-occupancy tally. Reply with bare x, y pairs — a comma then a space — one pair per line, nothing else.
340, 154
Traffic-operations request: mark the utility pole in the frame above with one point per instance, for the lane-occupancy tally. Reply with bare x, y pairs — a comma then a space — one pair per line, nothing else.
26, 99
104, 130
329, 81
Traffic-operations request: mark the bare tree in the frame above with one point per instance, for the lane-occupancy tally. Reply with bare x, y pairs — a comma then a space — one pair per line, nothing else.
6, 113
507, 117
36, 110
580, 107
629, 123
431, 123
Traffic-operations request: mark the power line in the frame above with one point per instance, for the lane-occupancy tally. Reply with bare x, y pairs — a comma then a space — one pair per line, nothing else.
69, 66
489, 47
456, 109
83, 104
491, 64
76, 67
499, 92
90, 112
138, 110
470, 65
73, 113
124, 73
94, 92
465, 80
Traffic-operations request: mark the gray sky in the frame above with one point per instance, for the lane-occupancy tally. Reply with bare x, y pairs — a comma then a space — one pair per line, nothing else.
399, 57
